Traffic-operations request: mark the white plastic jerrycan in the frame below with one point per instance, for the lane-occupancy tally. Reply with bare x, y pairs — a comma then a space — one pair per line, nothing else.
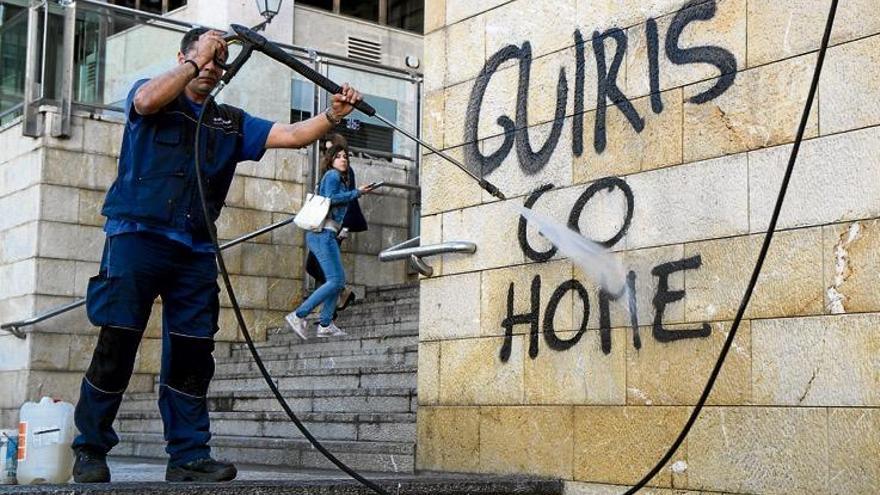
45, 432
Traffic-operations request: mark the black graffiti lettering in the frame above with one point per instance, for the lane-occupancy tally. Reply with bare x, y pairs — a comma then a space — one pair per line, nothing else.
531, 162
531, 318
577, 122
633, 309
473, 155
522, 232
605, 184
700, 10
664, 296
609, 184
605, 313
654, 65
607, 86
515, 131
553, 341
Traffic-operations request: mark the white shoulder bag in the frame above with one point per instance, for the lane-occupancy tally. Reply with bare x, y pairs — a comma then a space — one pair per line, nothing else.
313, 213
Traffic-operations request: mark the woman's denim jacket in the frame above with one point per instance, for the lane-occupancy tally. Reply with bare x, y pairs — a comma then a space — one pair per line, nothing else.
340, 195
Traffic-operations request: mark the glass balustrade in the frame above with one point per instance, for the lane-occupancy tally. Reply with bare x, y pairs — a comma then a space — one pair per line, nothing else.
113, 47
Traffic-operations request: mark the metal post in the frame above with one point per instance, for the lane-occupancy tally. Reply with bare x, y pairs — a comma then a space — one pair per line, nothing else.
293, 22
44, 56
383, 12
416, 203
61, 125
31, 119
318, 101
103, 34
312, 173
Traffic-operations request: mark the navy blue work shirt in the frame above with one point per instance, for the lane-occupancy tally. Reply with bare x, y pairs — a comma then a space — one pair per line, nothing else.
245, 139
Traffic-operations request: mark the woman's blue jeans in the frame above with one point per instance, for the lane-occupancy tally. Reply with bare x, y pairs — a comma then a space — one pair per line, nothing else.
324, 246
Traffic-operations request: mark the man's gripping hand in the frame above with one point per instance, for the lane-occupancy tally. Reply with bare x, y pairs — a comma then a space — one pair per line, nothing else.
306, 132
343, 102
210, 46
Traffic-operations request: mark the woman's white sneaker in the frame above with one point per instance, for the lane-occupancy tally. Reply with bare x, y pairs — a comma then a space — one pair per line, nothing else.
330, 330
297, 324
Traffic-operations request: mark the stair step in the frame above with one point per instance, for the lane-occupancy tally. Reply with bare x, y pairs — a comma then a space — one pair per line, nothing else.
291, 393
386, 427
386, 376
355, 330
266, 351
375, 300
392, 291
284, 334
277, 451
365, 371
299, 352
375, 400
325, 359
399, 307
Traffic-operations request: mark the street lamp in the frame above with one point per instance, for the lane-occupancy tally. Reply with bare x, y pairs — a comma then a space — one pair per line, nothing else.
268, 9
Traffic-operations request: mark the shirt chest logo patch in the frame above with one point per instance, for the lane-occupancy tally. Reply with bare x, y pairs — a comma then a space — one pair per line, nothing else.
225, 124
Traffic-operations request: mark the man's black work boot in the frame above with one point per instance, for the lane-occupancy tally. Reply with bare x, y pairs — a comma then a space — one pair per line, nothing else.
205, 469
90, 468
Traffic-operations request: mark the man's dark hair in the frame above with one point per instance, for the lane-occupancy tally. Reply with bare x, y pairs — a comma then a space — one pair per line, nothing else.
191, 37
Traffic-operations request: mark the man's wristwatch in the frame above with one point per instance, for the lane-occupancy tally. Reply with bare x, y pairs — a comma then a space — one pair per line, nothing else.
332, 117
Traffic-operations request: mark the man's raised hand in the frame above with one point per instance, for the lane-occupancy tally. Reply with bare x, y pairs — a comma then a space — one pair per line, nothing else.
211, 46
343, 102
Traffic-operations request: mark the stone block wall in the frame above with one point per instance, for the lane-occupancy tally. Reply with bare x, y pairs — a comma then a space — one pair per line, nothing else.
20, 160
661, 128
51, 239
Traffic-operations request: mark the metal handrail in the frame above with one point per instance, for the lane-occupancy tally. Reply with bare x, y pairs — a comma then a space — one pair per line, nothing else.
400, 185
412, 250
15, 327
380, 154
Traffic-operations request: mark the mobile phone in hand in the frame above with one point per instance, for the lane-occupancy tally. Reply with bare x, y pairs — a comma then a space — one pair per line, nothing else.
374, 185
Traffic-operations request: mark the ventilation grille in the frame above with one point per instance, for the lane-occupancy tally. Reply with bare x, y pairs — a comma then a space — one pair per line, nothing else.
366, 50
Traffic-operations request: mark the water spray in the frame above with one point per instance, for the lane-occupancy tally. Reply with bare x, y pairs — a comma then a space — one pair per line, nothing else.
594, 259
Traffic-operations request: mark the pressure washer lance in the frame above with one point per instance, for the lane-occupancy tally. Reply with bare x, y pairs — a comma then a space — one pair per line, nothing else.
251, 40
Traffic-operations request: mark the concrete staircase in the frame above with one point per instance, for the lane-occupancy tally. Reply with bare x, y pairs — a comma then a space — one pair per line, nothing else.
357, 394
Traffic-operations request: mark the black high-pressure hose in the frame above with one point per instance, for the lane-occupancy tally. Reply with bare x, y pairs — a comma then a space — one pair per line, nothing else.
718, 364
758, 265
244, 329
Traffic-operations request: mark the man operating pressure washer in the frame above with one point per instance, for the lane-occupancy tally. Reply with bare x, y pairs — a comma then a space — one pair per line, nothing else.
158, 244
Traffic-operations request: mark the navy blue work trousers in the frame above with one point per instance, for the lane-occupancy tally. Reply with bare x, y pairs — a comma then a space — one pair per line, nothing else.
135, 269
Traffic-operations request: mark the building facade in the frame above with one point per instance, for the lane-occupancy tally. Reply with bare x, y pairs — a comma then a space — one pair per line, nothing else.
660, 129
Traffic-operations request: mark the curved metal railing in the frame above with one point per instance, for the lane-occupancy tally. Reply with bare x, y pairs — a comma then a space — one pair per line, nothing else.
15, 327
412, 250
